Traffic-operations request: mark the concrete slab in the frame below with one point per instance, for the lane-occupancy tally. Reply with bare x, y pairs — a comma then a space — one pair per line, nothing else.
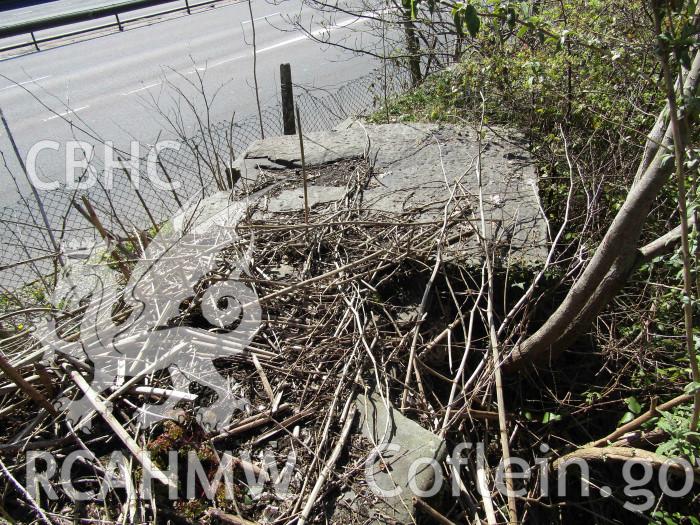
419, 171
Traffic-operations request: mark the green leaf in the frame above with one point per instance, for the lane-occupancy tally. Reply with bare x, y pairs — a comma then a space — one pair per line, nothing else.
525, 9
459, 24
626, 418
667, 161
511, 18
633, 405
664, 448
471, 20
457, 11
550, 417
410, 5
692, 388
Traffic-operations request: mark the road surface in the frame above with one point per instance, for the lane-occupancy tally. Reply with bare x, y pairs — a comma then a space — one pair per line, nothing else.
112, 83
17, 11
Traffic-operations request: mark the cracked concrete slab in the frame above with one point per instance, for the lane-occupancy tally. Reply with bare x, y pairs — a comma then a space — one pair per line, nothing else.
418, 172
293, 199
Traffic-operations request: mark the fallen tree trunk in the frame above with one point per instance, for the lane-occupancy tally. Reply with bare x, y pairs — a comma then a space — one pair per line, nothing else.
622, 454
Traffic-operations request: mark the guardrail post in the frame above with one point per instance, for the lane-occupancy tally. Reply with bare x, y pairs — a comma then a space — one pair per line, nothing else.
36, 44
119, 23
287, 100
187, 3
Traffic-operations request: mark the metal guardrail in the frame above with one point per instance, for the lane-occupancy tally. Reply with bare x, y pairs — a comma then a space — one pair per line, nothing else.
75, 17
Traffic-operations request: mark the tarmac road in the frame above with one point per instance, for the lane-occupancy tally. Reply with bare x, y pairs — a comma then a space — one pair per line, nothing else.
119, 84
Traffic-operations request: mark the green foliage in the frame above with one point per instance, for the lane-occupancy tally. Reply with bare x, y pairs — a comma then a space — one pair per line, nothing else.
587, 67
465, 16
550, 417
633, 410
584, 75
528, 69
663, 517
33, 294
682, 442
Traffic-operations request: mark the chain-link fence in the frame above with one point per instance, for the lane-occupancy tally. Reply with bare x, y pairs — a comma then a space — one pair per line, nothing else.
28, 258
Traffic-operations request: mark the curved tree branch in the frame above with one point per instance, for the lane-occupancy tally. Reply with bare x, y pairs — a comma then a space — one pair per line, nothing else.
614, 260
623, 454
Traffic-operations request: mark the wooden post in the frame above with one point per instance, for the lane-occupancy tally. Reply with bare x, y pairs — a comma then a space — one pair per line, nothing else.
303, 169
287, 99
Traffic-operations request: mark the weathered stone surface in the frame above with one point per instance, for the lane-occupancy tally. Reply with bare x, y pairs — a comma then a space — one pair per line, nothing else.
293, 199
319, 148
405, 470
199, 215
419, 171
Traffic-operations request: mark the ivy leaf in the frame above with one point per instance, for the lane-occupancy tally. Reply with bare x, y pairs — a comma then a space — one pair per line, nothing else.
685, 57
471, 20
680, 51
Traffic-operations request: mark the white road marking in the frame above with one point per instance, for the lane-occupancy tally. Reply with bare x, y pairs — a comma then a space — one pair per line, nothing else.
18, 84
317, 32
226, 61
66, 113
260, 18
149, 86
